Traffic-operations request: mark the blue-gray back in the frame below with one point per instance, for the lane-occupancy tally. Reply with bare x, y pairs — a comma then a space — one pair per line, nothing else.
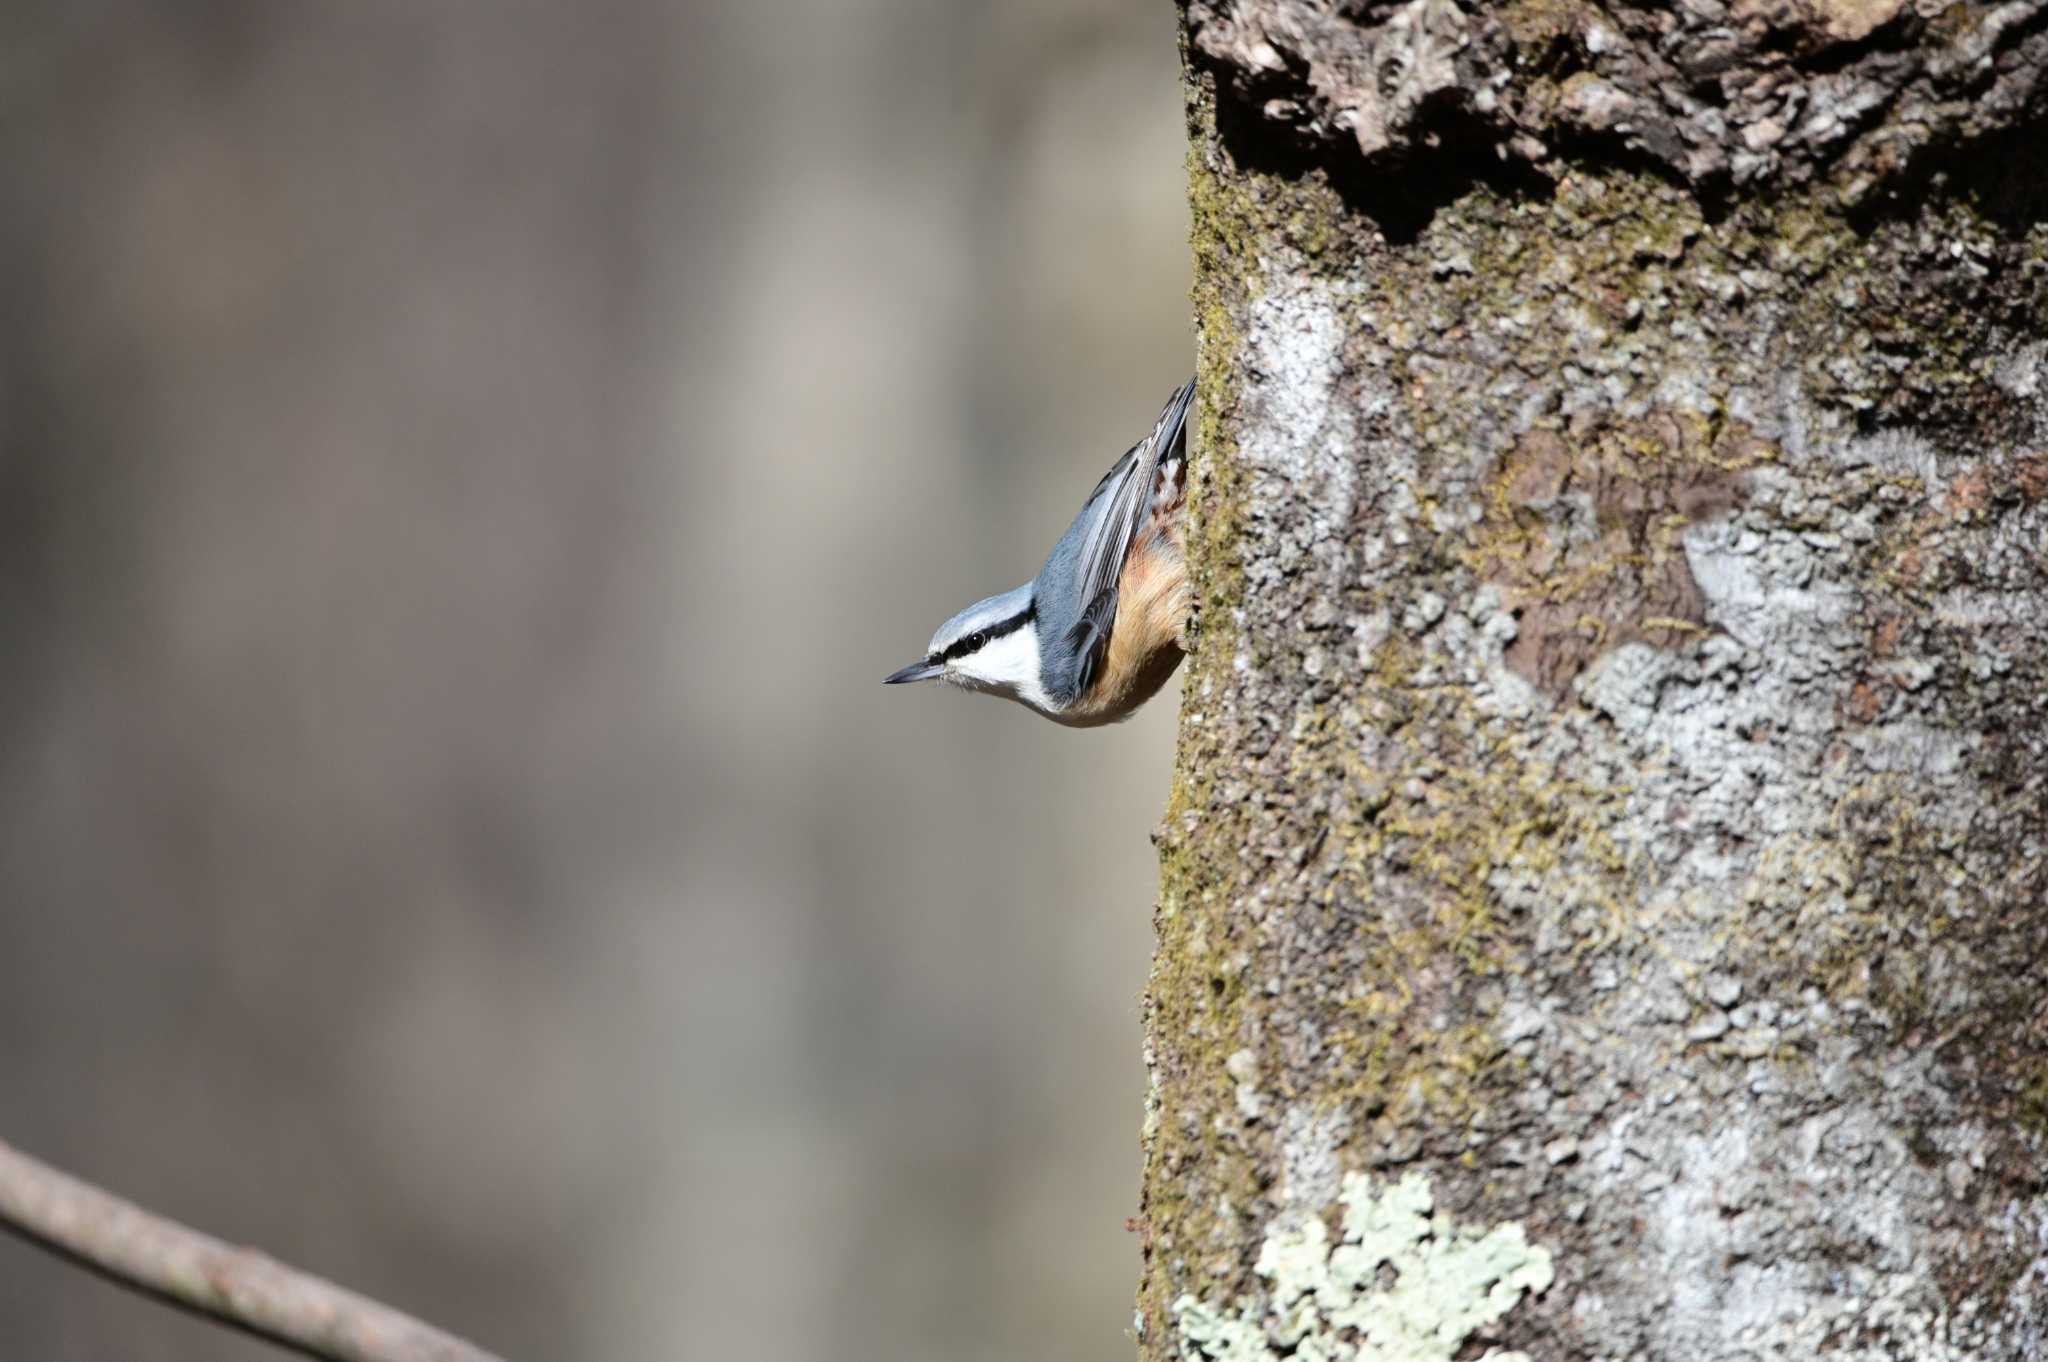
1076, 590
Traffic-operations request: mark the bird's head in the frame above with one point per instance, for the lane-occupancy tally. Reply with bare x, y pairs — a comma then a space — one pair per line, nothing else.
991, 646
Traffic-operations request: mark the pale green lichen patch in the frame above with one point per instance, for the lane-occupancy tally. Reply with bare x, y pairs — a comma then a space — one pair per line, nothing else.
1402, 1285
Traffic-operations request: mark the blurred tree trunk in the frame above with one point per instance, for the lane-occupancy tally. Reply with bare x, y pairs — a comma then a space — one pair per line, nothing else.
1603, 895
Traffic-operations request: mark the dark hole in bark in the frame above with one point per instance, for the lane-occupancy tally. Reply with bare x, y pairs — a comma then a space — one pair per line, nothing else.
2003, 175
1399, 195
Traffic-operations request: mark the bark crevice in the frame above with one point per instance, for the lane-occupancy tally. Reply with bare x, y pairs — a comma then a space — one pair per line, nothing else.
1403, 106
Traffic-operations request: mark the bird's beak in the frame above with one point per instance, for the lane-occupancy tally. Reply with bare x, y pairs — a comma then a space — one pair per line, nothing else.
916, 671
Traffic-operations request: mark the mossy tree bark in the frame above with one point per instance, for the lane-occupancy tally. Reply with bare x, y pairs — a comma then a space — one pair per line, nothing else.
1603, 899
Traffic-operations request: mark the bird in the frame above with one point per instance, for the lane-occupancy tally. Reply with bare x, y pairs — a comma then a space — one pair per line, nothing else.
1103, 625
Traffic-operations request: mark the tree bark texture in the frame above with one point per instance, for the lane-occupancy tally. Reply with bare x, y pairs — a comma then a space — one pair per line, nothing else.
1602, 909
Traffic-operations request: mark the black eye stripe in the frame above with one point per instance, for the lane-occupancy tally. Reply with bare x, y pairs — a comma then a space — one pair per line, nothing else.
981, 638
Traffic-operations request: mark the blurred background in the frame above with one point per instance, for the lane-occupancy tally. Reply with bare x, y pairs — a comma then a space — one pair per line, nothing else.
464, 471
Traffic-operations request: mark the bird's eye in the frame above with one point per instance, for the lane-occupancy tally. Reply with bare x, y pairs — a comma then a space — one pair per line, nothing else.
975, 641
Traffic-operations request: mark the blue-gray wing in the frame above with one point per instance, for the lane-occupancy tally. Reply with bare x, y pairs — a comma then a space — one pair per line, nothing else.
1115, 512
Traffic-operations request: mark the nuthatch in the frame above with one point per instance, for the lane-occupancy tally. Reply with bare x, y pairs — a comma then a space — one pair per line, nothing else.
1099, 630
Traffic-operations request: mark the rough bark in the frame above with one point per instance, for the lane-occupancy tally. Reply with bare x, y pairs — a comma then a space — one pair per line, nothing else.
1602, 909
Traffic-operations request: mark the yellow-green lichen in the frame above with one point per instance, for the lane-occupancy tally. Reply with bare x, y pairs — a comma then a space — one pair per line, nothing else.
1465, 805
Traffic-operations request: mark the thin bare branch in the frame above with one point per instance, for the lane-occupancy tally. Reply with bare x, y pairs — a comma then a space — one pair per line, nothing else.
238, 1287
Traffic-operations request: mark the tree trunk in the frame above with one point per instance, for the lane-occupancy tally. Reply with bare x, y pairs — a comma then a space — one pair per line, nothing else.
1603, 893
